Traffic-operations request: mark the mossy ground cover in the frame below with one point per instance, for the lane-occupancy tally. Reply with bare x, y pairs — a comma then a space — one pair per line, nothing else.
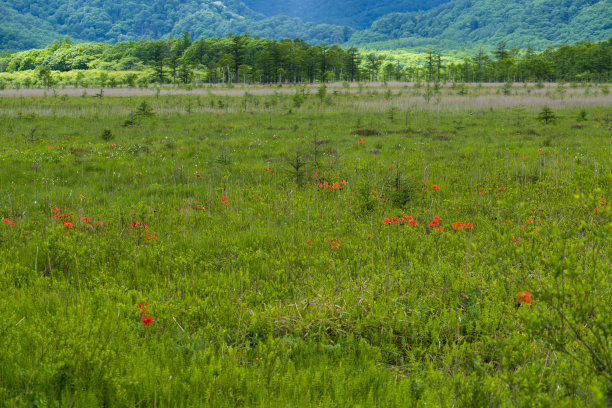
303, 252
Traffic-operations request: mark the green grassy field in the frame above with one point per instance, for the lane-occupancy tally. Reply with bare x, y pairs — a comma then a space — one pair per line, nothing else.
348, 250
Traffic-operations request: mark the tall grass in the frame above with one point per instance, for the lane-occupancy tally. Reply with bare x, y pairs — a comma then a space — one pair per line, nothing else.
266, 289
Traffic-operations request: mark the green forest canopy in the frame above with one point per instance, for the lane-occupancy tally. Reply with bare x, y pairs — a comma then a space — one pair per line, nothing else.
408, 24
241, 58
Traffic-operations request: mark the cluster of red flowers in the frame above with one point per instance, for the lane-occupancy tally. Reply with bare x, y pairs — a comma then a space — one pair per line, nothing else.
137, 224
335, 243
8, 222
198, 175
524, 297
224, 200
66, 219
435, 223
435, 187
151, 236
330, 187
405, 219
360, 141
146, 320
458, 225
196, 207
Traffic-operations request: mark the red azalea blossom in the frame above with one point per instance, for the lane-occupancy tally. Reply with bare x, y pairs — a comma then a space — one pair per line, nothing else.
524, 297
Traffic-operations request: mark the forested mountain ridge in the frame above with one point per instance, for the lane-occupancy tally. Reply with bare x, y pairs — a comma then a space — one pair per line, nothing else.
358, 14
127, 20
517, 23
439, 24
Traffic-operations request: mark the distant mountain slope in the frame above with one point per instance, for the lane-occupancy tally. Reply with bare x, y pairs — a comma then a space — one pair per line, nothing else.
357, 14
450, 24
22, 31
518, 23
123, 20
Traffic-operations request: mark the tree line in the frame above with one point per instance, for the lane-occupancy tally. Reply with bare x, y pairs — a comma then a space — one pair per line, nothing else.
245, 59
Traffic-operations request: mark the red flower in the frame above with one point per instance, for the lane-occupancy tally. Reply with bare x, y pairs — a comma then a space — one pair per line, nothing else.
456, 225
413, 222
501, 189
387, 221
198, 175
85, 219
309, 242
524, 297
147, 320
481, 191
55, 210
530, 220
435, 187
468, 225
99, 223
360, 141
67, 224
335, 246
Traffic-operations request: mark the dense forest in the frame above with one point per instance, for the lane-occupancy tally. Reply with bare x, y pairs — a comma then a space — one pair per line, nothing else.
33, 23
358, 14
518, 23
419, 25
241, 58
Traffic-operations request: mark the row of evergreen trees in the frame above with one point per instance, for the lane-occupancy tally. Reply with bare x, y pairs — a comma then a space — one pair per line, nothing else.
241, 58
